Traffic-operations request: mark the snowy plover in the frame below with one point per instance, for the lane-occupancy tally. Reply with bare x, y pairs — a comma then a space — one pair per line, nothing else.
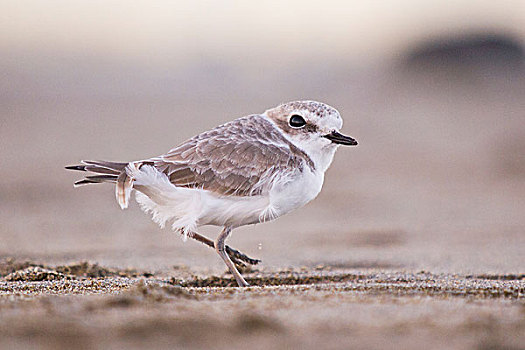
250, 170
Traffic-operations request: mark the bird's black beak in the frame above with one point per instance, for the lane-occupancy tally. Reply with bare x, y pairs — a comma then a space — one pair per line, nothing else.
341, 139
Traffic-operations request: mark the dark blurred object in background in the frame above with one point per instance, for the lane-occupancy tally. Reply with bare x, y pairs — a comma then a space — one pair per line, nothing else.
473, 51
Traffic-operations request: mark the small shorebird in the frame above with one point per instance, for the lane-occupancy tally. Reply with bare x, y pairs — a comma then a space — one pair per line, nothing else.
250, 170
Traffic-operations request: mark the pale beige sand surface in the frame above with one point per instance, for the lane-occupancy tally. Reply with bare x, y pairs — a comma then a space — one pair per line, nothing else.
303, 308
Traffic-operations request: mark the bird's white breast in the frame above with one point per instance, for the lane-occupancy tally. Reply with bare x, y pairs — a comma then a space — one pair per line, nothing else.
298, 190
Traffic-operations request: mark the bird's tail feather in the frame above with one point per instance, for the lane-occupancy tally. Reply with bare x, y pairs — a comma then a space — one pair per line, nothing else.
111, 172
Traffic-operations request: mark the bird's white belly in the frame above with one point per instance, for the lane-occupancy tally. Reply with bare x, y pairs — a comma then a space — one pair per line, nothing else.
233, 210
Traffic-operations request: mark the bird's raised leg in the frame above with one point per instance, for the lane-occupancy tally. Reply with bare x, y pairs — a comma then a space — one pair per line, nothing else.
236, 256
219, 247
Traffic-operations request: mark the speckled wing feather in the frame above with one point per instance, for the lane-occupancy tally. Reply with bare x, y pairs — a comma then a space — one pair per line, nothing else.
239, 158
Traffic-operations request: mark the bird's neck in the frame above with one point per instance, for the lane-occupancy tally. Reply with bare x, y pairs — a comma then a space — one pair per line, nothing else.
321, 156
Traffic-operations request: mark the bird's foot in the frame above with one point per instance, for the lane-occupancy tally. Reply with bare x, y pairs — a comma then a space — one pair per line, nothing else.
236, 256
240, 258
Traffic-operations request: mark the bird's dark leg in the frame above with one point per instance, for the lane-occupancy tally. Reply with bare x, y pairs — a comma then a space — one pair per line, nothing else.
236, 256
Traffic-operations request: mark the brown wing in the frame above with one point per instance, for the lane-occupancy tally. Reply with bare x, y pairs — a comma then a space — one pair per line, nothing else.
233, 158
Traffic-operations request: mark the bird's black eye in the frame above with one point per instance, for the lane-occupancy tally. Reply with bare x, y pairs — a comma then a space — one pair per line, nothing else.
296, 121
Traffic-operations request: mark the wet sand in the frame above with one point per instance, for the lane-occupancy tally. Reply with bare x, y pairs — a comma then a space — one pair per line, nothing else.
327, 308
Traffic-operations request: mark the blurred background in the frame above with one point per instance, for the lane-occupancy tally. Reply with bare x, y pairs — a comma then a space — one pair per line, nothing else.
434, 91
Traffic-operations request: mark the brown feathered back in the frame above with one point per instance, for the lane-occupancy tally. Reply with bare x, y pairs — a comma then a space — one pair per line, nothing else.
239, 158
